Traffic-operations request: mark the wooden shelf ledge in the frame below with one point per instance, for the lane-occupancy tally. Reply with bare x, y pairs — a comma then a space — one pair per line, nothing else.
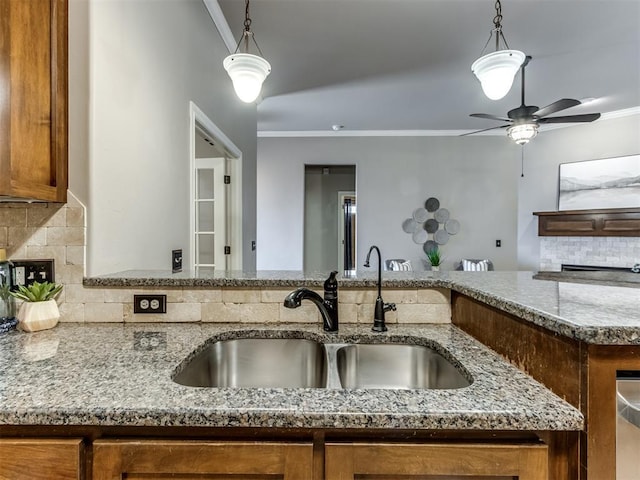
620, 222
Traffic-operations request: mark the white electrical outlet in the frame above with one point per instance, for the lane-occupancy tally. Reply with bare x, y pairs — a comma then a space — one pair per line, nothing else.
20, 273
150, 303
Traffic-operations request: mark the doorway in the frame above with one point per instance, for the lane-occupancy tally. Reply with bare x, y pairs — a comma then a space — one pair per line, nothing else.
329, 218
216, 197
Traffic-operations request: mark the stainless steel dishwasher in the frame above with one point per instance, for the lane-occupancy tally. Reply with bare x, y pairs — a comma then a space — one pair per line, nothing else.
628, 425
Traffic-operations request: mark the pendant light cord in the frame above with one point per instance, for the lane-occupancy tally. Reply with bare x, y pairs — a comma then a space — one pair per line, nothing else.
497, 28
246, 33
522, 161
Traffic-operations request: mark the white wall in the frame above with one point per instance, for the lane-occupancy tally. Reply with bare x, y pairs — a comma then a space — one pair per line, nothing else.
146, 60
475, 178
538, 190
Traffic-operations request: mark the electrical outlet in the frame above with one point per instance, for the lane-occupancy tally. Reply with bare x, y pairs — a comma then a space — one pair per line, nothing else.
25, 272
176, 261
149, 304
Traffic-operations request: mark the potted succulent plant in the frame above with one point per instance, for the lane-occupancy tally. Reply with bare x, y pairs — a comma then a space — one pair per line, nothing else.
39, 310
435, 259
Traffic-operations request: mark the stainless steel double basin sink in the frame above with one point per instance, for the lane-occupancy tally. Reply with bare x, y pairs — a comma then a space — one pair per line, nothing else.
302, 363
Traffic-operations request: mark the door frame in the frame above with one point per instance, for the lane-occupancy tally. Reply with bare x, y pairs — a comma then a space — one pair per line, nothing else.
234, 169
342, 195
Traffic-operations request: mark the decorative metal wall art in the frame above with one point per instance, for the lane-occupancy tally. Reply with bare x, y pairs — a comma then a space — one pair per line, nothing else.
421, 225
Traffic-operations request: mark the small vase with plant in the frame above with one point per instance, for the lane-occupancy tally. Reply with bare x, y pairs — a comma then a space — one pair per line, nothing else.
39, 310
435, 259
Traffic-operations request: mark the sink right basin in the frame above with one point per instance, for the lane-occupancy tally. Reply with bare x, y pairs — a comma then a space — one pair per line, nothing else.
394, 366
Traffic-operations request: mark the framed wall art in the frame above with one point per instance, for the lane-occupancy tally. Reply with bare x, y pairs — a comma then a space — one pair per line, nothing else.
596, 184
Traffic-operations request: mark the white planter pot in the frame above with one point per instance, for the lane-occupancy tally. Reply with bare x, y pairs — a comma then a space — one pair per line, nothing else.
435, 268
35, 316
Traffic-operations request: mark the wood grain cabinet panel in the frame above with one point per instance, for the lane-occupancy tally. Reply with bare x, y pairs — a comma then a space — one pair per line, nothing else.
621, 222
376, 461
33, 99
41, 459
202, 460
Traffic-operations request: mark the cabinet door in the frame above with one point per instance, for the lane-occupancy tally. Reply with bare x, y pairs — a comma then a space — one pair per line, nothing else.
165, 459
33, 99
364, 461
40, 459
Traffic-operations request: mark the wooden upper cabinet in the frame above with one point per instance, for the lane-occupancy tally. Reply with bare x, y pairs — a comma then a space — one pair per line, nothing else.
620, 222
33, 99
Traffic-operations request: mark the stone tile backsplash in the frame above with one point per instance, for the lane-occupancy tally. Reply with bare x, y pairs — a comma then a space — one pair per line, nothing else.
596, 251
40, 230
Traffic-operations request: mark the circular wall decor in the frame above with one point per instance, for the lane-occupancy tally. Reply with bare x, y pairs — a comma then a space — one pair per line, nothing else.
410, 225
420, 215
429, 245
431, 221
452, 226
432, 204
441, 215
441, 237
431, 225
420, 236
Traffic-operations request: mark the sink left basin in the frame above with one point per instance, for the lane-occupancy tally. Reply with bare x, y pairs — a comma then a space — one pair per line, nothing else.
257, 363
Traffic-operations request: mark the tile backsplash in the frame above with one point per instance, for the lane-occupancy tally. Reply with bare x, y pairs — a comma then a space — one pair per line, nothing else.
596, 251
41, 231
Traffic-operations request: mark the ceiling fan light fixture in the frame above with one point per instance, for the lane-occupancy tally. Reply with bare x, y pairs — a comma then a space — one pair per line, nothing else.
247, 71
496, 71
522, 133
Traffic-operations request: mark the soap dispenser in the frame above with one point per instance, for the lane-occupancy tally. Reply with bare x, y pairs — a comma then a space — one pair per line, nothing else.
8, 319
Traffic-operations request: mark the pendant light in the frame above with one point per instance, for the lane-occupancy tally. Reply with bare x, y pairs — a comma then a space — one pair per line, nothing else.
247, 71
496, 70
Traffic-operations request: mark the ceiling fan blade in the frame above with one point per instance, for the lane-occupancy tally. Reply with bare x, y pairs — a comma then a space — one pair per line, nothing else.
483, 130
490, 117
556, 106
587, 117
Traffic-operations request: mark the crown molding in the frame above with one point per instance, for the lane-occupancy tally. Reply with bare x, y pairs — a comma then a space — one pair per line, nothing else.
424, 133
215, 12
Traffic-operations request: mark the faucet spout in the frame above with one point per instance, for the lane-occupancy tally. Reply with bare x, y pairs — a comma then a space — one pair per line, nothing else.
381, 307
328, 306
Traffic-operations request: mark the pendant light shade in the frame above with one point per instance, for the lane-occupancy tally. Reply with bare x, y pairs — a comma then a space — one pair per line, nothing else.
496, 71
247, 72
522, 133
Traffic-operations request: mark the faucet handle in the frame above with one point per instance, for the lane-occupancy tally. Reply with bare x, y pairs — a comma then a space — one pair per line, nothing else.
389, 306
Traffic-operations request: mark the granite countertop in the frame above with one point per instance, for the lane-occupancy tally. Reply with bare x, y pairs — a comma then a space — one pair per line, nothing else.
120, 374
593, 313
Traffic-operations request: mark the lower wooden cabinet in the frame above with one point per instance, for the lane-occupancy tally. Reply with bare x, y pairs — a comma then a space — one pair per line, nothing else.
376, 461
187, 459
41, 459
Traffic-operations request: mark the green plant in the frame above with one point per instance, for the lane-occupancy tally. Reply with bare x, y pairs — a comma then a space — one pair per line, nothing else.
37, 292
435, 259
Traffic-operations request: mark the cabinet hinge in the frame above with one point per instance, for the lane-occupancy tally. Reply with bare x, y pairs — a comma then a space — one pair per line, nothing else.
227, 179
227, 250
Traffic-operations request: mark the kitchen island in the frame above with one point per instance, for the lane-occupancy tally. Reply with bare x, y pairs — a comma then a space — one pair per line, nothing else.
107, 383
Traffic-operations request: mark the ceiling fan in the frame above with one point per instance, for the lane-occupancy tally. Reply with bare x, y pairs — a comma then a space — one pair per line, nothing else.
523, 122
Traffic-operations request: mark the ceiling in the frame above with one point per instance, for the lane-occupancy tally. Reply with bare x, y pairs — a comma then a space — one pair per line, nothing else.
404, 65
